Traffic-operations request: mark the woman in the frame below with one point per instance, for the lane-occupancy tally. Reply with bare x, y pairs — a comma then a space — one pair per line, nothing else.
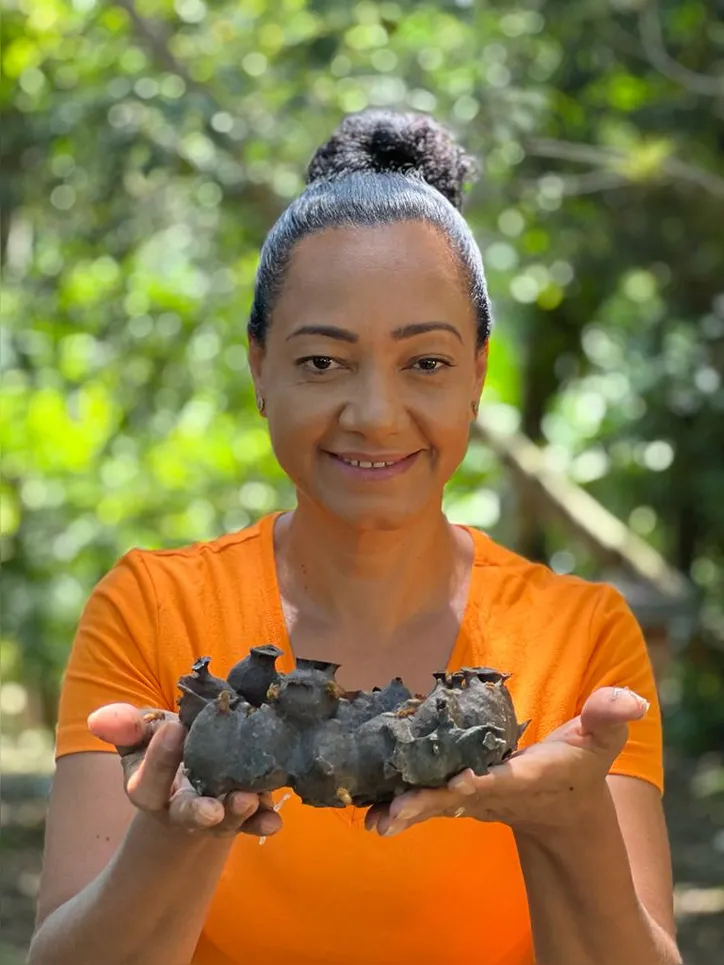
368, 348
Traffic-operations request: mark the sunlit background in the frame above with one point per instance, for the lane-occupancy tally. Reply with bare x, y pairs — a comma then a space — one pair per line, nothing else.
148, 145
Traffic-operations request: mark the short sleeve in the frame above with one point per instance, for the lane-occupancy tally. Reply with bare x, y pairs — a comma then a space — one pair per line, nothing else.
113, 657
620, 659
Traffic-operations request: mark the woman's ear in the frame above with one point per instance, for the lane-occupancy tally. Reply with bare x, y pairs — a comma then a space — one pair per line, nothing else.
256, 359
481, 370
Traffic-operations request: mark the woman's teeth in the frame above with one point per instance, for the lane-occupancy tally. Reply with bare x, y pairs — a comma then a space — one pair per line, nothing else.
360, 464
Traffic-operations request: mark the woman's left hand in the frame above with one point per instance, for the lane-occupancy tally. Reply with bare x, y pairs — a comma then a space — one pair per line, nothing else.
547, 785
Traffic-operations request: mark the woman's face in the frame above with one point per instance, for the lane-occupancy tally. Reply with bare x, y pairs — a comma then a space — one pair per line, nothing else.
369, 372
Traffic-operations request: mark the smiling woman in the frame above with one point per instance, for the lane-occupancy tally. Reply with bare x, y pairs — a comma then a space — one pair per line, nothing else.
368, 347
372, 357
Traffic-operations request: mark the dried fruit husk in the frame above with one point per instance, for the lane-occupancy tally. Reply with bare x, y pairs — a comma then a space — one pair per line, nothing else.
260, 730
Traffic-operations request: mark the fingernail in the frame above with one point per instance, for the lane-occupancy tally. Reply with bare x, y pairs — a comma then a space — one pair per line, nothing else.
642, 702
393, 829
171, 739
459, 813
239, 805
207, 812
462, 785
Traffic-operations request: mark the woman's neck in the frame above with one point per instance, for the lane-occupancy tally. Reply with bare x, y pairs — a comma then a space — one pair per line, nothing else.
370, 581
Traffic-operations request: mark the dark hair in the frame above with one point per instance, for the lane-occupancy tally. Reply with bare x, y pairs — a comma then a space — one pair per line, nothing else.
377, 168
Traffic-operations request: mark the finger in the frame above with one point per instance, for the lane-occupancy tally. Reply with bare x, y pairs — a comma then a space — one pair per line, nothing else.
238, 812
387, 828
464, 784
118, 724
411, 808
373, 815
610, 708
150, 781
250, 814
239, 807
415, 805
133, 757
190, 811
126, 726
262, 824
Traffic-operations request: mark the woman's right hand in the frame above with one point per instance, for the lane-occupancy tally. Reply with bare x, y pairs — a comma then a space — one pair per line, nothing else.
150, 743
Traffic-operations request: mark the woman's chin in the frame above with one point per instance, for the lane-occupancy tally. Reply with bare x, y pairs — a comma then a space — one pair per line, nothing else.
383, 515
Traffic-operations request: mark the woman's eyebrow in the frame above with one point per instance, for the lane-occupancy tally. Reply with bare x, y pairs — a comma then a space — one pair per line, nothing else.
328, 331
398, 334
419, 328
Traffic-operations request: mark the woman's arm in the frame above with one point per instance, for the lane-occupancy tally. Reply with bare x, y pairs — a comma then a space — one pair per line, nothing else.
598, 883
129, 871
584, 906
147, 906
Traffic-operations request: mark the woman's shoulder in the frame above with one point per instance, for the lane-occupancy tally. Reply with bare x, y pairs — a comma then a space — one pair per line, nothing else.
241, 541
238, 556
561, 637
517, 599
207, 592
510, 569
213, 597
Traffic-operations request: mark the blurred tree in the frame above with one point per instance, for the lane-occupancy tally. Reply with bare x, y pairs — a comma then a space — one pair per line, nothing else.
148, 146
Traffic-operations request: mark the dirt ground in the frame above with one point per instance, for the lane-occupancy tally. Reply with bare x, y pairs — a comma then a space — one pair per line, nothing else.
695, 813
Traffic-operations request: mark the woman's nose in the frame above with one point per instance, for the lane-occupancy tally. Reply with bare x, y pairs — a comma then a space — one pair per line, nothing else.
374, 406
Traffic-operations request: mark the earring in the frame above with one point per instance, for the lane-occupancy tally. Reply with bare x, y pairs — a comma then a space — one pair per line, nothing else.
474, 406
260, 404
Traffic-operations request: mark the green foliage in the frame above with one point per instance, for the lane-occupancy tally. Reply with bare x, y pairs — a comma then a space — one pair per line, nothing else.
148, 146
699, 721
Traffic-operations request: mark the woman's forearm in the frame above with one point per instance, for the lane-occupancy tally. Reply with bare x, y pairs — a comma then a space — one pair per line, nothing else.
147, 906
583, 904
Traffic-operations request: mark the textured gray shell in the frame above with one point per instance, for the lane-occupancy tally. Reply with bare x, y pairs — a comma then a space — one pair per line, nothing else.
260, 730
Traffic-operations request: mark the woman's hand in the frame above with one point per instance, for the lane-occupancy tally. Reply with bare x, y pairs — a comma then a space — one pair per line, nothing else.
547, 785
150, 744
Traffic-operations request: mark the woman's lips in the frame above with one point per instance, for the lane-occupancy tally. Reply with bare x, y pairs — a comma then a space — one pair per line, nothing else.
364, 466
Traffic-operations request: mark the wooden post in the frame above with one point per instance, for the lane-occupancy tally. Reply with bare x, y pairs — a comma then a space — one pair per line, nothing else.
655, 590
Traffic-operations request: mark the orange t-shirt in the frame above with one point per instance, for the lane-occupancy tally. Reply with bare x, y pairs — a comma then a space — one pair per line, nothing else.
324, 891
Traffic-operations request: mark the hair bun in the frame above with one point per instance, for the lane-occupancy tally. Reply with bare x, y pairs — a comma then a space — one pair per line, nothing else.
379, 141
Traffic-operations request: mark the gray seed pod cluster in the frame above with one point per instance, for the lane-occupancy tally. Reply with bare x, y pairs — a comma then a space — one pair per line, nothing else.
260, 730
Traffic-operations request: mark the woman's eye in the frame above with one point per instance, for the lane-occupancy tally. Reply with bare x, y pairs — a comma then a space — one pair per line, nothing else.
430, 364
317, 363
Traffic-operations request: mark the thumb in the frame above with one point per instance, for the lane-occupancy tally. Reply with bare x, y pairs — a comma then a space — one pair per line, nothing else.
126, 726
151, 773
611, 707
119, 724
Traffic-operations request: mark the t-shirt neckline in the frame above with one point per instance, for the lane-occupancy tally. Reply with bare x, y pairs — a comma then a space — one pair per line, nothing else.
470, 625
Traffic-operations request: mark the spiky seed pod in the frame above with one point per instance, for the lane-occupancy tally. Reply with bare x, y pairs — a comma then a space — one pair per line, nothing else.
262, 730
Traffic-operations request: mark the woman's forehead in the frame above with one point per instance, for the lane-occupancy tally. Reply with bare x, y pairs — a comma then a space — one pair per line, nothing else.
383, 249
400, 264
